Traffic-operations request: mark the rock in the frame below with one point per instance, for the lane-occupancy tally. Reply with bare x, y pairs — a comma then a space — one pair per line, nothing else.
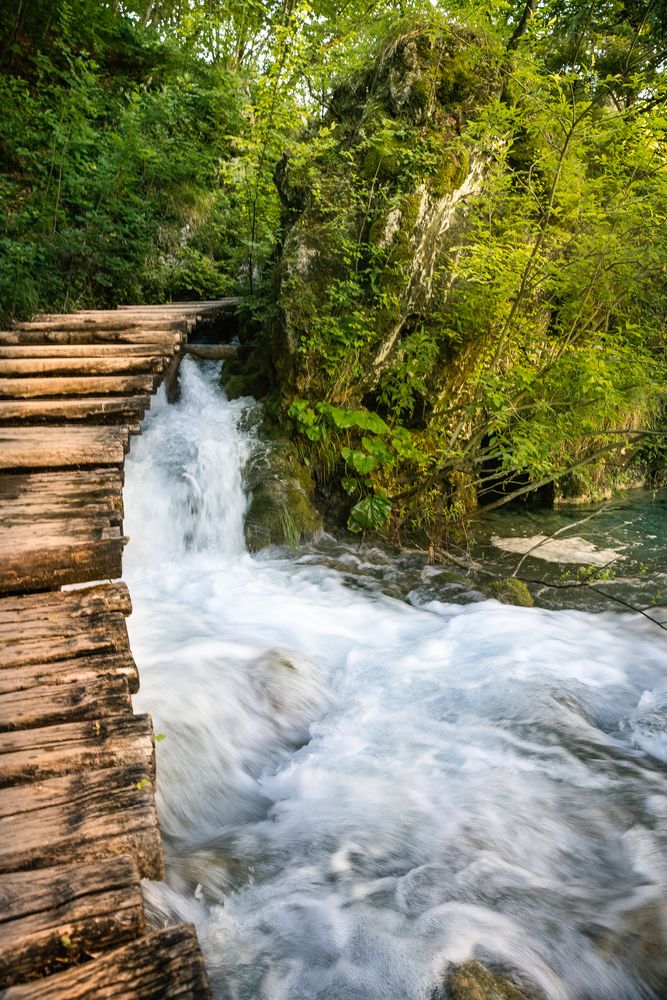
389, 180
510, 591
281, 510
471, 981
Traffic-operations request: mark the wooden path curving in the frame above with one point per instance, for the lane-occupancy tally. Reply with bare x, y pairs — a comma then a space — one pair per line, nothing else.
78, 825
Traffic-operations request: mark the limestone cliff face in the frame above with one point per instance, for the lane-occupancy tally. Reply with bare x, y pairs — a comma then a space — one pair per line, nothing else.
368, 221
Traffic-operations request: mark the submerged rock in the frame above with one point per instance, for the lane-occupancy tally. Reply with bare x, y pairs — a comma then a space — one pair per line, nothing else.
471, 981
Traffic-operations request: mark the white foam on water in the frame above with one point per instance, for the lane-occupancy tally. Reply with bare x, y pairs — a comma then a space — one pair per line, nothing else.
355, 792
558, 550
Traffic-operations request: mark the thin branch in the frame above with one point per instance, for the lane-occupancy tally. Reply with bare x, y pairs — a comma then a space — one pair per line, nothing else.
577, 585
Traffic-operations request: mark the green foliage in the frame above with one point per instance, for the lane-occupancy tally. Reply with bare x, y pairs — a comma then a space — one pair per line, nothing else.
525, 339
452, 219
115, 155
370, 514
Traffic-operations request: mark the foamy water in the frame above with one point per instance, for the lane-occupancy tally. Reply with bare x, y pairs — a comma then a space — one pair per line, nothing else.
355, 791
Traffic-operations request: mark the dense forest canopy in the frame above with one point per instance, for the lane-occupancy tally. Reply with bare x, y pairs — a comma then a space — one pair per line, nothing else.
449, 219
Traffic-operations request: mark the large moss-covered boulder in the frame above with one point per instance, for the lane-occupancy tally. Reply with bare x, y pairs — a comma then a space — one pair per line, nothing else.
281, 509
369, 204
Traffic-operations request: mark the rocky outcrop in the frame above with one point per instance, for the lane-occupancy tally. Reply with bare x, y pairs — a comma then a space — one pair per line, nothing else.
368, 219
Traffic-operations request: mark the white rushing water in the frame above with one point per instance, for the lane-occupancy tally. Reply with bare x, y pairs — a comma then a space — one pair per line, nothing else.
355, 791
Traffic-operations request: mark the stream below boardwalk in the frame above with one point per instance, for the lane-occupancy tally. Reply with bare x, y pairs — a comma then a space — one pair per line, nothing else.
362, 781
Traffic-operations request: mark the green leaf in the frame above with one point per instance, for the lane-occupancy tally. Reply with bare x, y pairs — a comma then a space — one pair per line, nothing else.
370, 514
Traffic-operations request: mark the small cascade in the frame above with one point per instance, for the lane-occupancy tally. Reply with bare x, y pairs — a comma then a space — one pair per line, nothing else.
356, 790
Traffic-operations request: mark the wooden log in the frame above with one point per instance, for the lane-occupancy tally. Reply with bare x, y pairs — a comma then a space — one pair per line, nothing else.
61, 447
166, 963
66, 604
83, 816
171, 380
129, 335
127, 410
59, 916
64, 640
19, 367
50, 703
56, 564
55, 750
57, 626
79, 670
50, 495
209, 305
94, 322
212, 352
45, 555
27, 351
60, 528
86, 385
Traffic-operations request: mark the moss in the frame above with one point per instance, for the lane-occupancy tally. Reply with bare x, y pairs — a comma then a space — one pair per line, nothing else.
471, 981
450, 174
383, 159
510, 591
459, 78
281, 510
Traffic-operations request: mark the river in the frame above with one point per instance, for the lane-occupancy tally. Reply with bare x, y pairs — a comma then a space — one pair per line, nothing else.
361, 781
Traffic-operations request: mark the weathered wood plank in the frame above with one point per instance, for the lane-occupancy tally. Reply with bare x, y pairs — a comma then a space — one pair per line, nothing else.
92, 814
55, 750
52, 495
205, 306
126, 335
166, 963
96, 323
59, 916
46, 704
34, 560
79, 669
61, 447
55, 528
101, 321
27, 351
19, 367
92, 409
107, 597
25, 568
212, 352
86, 385
26, 629
106, 633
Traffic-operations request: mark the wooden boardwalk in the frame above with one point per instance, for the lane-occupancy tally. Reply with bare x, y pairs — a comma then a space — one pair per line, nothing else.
78, 825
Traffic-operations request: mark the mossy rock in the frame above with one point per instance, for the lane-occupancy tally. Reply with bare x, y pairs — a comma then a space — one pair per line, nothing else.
510, 591
472, 981
281, 510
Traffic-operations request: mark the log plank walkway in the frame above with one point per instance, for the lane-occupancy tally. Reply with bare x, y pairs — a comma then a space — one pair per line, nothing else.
78, 824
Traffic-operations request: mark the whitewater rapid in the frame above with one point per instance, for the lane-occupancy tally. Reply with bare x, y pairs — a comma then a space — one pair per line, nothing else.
355, 790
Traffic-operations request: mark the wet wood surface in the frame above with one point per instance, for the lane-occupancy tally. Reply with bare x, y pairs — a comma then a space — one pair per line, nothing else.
78, 821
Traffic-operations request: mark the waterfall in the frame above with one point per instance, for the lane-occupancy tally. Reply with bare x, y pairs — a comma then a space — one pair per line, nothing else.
356, 790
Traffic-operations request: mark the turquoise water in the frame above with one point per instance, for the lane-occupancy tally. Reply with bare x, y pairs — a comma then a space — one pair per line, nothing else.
634, 524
